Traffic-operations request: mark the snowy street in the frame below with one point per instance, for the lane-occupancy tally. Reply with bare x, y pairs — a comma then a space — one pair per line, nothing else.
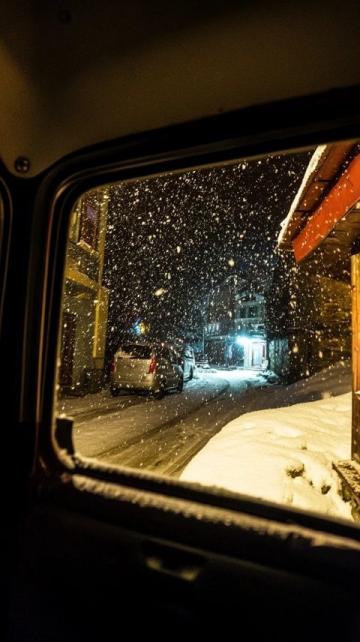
233, 429
161, 435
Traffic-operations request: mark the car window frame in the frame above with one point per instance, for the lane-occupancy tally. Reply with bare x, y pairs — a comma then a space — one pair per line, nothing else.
5, 238
144, 156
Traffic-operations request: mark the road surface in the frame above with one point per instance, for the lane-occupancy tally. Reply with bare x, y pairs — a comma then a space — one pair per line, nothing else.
161, 435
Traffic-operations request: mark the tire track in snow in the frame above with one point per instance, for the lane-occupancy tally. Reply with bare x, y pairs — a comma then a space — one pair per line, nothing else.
126, 455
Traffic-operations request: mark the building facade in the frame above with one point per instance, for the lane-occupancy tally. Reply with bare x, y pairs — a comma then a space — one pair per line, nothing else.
85, 301
234, 333
250, 327
308, 320
323, 228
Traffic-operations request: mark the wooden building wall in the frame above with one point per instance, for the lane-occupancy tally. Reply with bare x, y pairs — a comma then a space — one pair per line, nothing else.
355, 288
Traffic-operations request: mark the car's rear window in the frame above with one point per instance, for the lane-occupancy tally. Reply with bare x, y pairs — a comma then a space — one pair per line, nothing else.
135, 352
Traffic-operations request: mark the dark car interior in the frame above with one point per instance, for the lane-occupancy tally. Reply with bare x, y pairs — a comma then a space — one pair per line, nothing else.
100, 92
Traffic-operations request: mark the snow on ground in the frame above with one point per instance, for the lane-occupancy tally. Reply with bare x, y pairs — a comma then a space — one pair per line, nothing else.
103, 401
206, 384
103, 423
285, 454
330, 382
131, 416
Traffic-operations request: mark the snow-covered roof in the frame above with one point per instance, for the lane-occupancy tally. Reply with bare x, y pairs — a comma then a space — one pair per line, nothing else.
286, 224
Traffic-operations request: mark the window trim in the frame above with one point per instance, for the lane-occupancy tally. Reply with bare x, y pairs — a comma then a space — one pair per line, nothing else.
5, 233
85, 246
92, 248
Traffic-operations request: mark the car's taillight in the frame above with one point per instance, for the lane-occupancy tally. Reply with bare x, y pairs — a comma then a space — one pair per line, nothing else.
112, 366
152, 366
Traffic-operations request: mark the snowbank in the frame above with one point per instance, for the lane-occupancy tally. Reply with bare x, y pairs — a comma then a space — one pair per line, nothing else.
282, 455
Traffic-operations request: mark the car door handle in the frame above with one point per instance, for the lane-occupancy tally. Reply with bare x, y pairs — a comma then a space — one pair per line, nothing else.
173, 561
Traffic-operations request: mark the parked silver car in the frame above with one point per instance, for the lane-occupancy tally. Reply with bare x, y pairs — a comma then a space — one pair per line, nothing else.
146, 367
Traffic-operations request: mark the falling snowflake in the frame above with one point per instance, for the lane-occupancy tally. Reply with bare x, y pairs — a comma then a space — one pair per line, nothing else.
160, 292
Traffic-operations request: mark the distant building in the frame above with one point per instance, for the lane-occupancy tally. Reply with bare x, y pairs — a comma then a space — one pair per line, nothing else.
85, 303
249, 325
234, 333
218, 323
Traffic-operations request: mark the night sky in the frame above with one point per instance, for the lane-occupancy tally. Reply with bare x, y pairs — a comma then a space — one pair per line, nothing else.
171, 238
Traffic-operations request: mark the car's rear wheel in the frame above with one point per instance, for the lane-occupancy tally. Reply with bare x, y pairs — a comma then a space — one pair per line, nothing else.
159, 393
180, 385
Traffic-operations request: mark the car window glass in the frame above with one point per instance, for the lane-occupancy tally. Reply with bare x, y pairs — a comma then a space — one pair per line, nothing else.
164, 353
135, 351
221, 272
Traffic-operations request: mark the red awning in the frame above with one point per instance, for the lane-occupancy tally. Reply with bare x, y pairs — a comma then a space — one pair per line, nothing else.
334, 207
